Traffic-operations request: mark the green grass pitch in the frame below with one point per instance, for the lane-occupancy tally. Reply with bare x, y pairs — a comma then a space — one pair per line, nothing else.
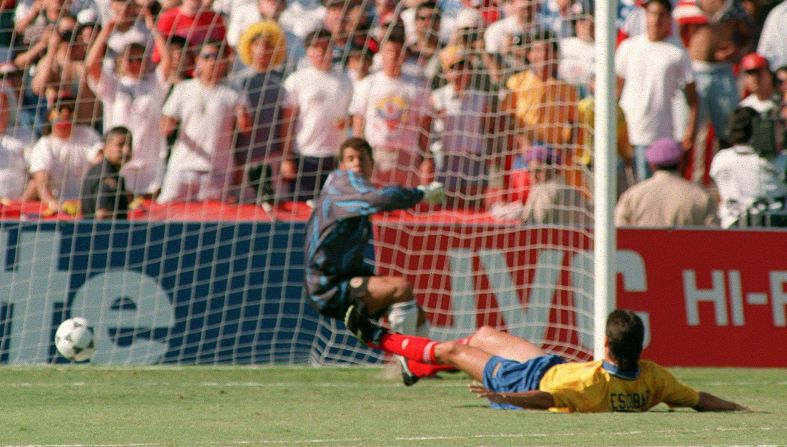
347, 406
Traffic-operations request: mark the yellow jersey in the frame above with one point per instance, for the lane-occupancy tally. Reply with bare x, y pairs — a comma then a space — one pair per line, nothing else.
596, 387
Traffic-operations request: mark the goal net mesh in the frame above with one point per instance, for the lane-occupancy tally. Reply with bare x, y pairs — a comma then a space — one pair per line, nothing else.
208, 266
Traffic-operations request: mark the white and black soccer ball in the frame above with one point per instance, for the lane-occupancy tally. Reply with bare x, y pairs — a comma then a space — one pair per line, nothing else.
74, 340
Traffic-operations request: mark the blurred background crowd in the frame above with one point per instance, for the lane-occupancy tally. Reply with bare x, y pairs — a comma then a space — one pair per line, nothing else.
109, 104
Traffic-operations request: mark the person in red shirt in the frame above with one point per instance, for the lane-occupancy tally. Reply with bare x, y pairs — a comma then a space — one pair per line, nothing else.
192, 21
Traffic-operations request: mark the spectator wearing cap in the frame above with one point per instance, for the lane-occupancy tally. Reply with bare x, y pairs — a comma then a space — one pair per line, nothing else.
519, 18
316, 101
666, 199
651, 68
747, 176
551, 201
250, 14
59, 161
62, 72
761, 83
133, 97
773, 39
462, 122
263, 50
488, 73
208, 110
394, 114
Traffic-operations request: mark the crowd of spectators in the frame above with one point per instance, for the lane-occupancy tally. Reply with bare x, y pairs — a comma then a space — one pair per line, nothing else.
247, 101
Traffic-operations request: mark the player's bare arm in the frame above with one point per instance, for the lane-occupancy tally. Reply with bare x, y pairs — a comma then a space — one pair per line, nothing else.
709, 402
536, 400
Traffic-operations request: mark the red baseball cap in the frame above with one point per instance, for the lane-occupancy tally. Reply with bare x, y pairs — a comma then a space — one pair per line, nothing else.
754, 61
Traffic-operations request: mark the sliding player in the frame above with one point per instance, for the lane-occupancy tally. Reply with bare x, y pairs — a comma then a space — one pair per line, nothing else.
518, 374
338, 233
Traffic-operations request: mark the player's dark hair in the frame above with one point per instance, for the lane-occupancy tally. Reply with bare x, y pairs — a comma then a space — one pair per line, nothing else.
120, 131
625, 335
741, 125
359, 144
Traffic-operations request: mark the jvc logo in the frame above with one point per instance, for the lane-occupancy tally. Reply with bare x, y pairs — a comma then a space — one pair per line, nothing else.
532, 320
123, 299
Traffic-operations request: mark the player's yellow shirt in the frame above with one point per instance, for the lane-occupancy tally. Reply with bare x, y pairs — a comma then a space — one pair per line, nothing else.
590, 387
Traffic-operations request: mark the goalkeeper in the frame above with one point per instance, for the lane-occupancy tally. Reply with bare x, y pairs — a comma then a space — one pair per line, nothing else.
518, 374
338, 233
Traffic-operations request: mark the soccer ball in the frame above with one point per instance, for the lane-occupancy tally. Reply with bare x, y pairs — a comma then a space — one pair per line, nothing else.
74, 340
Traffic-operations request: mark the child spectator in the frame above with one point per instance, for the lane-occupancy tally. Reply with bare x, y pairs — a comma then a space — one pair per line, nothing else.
133, 97
104, 194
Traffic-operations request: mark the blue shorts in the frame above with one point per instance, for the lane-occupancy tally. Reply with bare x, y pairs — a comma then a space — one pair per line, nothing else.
516, 377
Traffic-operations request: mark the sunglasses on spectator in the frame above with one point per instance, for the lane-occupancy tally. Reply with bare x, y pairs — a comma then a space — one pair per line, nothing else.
212, 55
67, 35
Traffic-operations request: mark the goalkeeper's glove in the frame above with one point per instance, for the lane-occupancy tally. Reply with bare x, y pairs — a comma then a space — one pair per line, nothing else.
434, 193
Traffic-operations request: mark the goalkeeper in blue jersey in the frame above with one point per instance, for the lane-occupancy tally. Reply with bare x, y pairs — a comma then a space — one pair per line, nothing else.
338, 233
513, 373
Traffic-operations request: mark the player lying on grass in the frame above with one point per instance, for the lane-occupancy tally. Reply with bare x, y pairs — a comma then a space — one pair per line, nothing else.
518, 374
338, 233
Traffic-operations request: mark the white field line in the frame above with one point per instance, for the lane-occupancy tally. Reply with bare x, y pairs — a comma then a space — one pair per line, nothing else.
261, 384
406, 439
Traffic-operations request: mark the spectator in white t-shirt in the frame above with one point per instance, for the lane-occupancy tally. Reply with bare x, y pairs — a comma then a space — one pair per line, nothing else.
651, 68
394, 114
520, 18
15, 144
133, 97
746, 179
58, 161
315, 108
209, 110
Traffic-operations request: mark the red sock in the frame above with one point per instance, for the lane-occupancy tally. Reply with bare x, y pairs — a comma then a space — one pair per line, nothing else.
425, 370
420, 349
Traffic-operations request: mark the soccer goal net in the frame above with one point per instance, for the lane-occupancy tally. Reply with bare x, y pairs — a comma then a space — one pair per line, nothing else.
159, 164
